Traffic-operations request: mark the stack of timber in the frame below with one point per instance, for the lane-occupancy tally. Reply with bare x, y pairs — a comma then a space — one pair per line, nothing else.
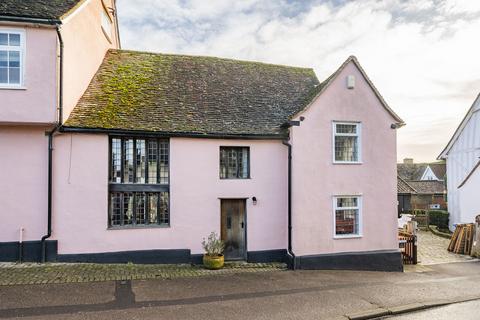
462, 239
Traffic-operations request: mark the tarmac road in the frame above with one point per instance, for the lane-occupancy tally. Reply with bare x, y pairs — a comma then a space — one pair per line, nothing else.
271, 295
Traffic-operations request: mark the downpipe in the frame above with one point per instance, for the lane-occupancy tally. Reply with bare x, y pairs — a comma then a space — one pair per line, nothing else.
50, 151
290, 254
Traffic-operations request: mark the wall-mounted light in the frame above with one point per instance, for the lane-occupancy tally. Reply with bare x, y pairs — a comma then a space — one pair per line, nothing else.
254, 200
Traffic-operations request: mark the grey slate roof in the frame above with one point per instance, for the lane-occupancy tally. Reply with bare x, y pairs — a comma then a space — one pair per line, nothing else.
182, 94
42, 9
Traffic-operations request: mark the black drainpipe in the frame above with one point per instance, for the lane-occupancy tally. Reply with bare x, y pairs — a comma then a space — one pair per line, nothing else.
50, 149
291, 255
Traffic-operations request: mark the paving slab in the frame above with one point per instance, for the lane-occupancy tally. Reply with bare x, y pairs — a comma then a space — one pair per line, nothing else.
23, 296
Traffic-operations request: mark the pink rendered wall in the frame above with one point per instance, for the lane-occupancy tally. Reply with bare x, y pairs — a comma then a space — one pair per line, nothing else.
23, 182
80, 196
316, 179
85, 47
35, 101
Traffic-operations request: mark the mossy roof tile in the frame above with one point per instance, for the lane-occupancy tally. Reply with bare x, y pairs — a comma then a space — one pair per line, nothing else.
191, 94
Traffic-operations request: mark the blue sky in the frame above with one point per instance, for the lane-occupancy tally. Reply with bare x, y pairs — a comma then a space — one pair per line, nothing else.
422, 55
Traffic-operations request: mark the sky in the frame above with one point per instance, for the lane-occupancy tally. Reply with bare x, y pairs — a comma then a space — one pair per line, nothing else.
422, 55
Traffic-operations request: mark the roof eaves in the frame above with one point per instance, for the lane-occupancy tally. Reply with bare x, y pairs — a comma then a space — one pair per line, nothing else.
458, 131
469, 175
212, 135
27, 20
400, 122
325, 84
406, 183
74, 9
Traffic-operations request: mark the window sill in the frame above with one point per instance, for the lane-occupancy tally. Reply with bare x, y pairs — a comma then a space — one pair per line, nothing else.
350, 236
2, 87
226, 179
347, 162
165, 226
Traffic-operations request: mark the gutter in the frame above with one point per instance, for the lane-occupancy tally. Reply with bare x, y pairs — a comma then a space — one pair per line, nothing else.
50, 149
52, 22
166, 134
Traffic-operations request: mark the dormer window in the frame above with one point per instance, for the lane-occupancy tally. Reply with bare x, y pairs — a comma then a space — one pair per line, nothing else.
11, 58
106, 24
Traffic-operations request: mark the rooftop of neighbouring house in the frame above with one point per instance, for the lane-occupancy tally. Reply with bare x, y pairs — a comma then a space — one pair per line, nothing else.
428, 186
410, 171
39, 9
403, 187
198, 95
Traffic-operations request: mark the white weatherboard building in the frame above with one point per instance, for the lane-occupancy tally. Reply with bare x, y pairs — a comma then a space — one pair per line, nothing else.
462, 154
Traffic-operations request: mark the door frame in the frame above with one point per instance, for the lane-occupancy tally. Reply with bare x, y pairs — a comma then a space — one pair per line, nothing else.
245, 255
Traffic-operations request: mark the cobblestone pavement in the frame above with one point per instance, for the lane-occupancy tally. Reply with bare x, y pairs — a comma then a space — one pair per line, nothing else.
432, 249
32, 273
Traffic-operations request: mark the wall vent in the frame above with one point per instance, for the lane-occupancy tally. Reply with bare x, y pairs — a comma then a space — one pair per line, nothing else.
351, 82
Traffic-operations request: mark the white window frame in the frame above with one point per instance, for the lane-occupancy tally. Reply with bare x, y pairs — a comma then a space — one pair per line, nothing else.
359, 140
22, 49
359, 207
106, 16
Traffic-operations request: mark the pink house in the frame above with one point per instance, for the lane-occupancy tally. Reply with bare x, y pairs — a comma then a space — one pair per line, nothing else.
152, 152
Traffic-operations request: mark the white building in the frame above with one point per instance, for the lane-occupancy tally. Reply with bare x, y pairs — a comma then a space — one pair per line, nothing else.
462, 154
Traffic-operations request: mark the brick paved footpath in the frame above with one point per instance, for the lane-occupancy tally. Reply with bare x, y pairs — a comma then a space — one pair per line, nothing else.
32, 273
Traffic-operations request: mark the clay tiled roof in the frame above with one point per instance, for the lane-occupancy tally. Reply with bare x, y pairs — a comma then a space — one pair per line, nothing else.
403, 187
41, 9
428, 186
192, 95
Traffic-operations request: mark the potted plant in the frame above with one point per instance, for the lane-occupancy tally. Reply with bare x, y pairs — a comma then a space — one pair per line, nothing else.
213, 258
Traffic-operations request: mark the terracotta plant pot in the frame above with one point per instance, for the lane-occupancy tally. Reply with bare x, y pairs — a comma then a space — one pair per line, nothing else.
213, 262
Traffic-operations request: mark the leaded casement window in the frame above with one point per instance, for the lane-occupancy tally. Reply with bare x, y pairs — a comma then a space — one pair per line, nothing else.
139, 182
11, 57
347, 216
346, 142
234, 162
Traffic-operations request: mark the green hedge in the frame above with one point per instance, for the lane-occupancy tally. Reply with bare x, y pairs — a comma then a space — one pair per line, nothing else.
438, 218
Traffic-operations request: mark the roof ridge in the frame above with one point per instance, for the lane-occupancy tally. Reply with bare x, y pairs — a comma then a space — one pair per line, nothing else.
209, 57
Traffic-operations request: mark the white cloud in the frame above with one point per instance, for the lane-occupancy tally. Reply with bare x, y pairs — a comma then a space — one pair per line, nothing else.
422, 55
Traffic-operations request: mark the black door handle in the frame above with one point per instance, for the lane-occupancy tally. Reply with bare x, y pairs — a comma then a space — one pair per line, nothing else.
242, 224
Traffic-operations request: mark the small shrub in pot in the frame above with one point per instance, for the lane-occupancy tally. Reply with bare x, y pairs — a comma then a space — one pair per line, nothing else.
213, 257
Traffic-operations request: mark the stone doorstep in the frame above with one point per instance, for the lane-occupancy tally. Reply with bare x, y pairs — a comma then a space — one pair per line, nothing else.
412, 307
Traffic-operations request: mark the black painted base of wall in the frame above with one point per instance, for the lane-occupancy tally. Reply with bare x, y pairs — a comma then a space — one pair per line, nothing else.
266, 256
27, 251
369, 261
140, 256
263, 256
